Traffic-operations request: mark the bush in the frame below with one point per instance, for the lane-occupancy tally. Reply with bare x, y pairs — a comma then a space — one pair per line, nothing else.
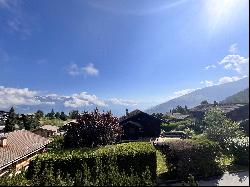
112, 164
168, 126
195, 157
92, 129
15, 180
219, 128
239, 148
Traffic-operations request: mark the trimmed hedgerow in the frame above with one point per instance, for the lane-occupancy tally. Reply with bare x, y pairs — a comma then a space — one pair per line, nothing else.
134, 162
195, 157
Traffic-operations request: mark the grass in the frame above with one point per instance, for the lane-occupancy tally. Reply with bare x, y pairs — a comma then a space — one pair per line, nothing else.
161, 163
54, 122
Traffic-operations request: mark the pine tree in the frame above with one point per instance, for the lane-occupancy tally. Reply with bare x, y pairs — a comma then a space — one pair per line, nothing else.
11, 121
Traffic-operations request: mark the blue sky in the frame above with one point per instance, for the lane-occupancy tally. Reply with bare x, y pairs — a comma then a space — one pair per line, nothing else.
129, 52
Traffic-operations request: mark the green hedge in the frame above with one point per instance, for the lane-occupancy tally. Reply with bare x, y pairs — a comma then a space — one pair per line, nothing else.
195, 157
133, 162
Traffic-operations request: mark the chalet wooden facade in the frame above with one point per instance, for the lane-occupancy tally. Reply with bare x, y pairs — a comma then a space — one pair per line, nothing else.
138, 124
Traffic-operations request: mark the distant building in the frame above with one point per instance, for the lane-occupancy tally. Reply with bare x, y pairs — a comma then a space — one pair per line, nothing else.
47, 131
138, 124
236, 112
3, 117
175, 117
17, 148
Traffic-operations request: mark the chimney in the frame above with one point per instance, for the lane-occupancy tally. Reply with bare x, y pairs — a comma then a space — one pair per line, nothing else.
126, 111
3, 141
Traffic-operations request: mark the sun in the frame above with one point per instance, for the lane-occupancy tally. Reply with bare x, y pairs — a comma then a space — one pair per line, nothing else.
220, 12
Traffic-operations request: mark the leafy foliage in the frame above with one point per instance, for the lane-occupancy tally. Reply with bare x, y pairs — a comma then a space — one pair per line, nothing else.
63, 116
93, 129
180, 109
39, 114
29, 122
11, 121
219, 128
196, 157
125, 164
239, 148
51, 114
73, 114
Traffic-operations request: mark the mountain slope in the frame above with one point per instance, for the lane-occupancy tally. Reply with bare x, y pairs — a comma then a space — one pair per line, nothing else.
212, 93
240, 97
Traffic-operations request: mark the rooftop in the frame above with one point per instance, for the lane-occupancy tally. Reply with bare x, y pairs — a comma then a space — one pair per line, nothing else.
19, 144
50, 128
224, 107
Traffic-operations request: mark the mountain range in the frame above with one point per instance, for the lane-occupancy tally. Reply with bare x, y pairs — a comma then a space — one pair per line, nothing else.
240, 97
211, 94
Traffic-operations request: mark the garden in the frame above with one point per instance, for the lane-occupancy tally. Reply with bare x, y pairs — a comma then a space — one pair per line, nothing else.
91, 154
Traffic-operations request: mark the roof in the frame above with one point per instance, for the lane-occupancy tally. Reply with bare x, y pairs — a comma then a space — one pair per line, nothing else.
179, 116
131, 114
224, 107
50, 128
134, 123
19, 144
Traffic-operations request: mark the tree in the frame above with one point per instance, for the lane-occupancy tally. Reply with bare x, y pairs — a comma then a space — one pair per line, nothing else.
180, 109
63, 116
11, 121
51, 114
73, 114
29, 122
57, 115
92, 129
39, 114
204, 102
219, 128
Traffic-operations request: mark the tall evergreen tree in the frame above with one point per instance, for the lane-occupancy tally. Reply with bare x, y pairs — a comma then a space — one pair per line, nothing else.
11, 121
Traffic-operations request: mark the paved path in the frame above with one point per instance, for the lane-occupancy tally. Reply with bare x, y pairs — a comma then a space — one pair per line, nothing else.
232, 179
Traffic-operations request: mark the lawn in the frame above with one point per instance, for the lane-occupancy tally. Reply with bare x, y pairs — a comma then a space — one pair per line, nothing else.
54, 122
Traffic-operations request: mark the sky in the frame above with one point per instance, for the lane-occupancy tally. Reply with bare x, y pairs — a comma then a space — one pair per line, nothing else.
128, 53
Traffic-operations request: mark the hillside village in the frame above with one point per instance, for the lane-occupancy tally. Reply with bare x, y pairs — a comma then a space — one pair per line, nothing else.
29, 139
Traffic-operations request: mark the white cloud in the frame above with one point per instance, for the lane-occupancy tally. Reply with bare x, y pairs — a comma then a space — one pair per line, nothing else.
235, 62
222, 80
225, 79
83, 99
75, 70
183, 92
90, 70
210, 67
15, 96
124, 102
233, 48
207, 83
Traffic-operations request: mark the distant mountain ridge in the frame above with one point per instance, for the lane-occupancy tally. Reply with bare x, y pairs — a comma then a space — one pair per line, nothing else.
211, 94
239, 97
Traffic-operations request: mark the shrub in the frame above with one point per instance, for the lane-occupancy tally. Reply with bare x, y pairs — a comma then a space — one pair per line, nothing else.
112, 164
196, 157
92, 129
239, 148
219, 128
15, 180
168, 126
